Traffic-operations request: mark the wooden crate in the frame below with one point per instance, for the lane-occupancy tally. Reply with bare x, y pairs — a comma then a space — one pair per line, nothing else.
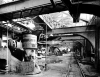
25, 67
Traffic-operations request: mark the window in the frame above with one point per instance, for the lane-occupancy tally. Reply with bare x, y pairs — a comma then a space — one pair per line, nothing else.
6, 1
64, 19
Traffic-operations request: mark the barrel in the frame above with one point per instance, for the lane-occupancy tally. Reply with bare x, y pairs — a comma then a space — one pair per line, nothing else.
29, 41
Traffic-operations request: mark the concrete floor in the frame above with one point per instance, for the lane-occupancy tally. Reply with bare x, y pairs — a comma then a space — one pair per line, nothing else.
66, 66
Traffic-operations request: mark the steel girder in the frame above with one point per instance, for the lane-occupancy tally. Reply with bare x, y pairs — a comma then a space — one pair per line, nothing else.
71, 38
30, 8
76, 8
26, 4
90, 36
71, 30
38, 7
84, 31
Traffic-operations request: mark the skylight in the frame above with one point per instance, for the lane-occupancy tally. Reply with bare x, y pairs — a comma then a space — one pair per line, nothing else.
64, 19
6, 1
29, 23
86, 17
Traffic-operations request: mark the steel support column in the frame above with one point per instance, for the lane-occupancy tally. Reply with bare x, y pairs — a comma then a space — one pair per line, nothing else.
97, 52
88, 50
82, 52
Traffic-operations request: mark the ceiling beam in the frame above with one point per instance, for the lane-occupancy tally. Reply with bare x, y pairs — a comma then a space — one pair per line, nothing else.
71, 30
26, 4
76, 9
71, 38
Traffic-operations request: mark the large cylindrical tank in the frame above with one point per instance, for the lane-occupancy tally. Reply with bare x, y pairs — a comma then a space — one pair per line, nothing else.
29, 41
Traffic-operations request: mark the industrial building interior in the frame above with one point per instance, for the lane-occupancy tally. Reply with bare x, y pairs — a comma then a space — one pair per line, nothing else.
49, 38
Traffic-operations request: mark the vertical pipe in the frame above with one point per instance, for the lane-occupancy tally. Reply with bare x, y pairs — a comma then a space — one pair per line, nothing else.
46, 48
34, 58
7, 51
